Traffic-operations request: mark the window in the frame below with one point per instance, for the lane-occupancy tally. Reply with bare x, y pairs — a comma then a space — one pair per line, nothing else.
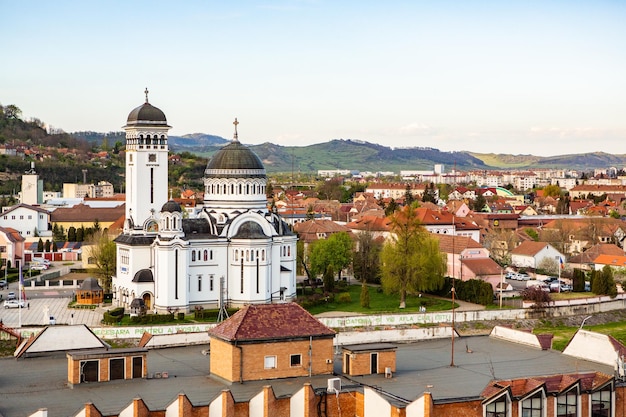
295, 360
601, 403
533, 406
199, 283
270, 362
206, 255
193, 255
567, 404
211, 283
497, 408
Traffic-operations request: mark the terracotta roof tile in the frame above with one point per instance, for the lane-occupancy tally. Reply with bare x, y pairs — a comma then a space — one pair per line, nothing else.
270, 322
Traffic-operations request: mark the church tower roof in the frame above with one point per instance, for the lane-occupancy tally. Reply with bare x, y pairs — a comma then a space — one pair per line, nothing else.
146, 115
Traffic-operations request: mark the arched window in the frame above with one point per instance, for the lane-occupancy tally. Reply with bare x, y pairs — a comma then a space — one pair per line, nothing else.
206, 255
247, 188
211, 254
239, 188
167, 223
247, 255
193, 256
232, 188
263, 255
288, 250
252, 255
236, 255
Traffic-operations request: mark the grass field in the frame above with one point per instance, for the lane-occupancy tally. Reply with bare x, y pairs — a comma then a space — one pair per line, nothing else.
380, 303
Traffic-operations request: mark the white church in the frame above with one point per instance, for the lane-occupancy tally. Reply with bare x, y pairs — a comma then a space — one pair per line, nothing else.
234, 252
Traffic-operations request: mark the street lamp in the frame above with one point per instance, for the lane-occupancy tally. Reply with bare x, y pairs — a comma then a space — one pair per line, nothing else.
583, 323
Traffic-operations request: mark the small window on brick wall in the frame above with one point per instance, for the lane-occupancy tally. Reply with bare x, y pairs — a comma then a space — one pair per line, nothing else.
270, 362
295, 360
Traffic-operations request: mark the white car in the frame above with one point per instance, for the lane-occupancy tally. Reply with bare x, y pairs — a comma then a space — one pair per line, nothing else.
14, 304
39, 267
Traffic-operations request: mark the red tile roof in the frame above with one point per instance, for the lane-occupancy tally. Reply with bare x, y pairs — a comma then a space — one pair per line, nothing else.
258, 322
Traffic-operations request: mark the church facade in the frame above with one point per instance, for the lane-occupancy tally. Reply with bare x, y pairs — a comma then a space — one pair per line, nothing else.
234, 252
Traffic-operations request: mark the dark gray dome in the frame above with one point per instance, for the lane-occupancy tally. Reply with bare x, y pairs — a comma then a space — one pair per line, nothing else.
146, 115
171, 207
235, 161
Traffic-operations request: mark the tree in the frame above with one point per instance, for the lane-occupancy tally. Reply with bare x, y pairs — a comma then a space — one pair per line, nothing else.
391, 207
408, 195
552, 191
602, 282
47, 246
430, 196
411, 261
40, 245
365, 296
102, 252
578, 280
366, 258
329, 279
335, 251
71, 234
479, 203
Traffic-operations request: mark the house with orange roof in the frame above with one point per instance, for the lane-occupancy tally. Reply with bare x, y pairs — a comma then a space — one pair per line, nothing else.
614, 261
270, 341
585, 260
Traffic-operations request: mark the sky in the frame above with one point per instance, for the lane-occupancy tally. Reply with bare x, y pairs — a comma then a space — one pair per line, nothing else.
514, 77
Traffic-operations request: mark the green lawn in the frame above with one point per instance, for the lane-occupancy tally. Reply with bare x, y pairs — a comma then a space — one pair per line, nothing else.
563, 334
380, 303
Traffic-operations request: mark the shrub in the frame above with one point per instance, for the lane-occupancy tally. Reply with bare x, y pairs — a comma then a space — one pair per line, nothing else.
113, 316
344, 298
536, 294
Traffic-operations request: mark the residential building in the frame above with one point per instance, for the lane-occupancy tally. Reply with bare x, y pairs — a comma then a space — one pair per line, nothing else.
29, 221
534, 255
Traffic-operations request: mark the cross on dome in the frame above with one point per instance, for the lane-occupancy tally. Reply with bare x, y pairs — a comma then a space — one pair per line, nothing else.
236, 137
146, 92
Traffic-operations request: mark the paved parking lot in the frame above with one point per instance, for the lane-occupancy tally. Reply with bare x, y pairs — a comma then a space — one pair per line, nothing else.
38, 311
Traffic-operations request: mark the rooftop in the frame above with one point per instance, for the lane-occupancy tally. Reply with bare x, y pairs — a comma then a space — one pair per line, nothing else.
33, 383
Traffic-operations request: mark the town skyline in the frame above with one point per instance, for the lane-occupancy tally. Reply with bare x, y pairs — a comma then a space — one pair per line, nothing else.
518, 78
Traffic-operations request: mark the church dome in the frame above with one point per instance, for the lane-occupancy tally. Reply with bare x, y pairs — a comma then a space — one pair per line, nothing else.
171, 207
146, 115
235, 161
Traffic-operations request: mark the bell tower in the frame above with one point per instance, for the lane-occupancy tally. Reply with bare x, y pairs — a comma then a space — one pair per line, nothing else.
146, 167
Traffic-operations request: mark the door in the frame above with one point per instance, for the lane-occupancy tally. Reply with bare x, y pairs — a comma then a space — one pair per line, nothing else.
138, 367
116, 369
89, 371
374, 363
346, 362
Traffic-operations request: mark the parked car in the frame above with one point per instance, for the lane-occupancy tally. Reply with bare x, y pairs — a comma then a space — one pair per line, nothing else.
3, 283
11, 296
523, 277
14, 304
566, 288
53, 321
38, 267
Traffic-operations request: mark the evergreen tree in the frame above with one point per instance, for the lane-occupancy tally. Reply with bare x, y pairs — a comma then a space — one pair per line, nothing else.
365, 296
40, 245
329, 279
71, 234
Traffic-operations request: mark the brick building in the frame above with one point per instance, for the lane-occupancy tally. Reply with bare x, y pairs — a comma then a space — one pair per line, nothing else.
269, 341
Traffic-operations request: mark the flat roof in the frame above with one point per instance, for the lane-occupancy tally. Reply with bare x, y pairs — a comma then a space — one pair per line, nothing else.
29, 384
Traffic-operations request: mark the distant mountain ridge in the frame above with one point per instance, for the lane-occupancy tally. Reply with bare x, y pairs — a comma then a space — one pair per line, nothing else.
358, 155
